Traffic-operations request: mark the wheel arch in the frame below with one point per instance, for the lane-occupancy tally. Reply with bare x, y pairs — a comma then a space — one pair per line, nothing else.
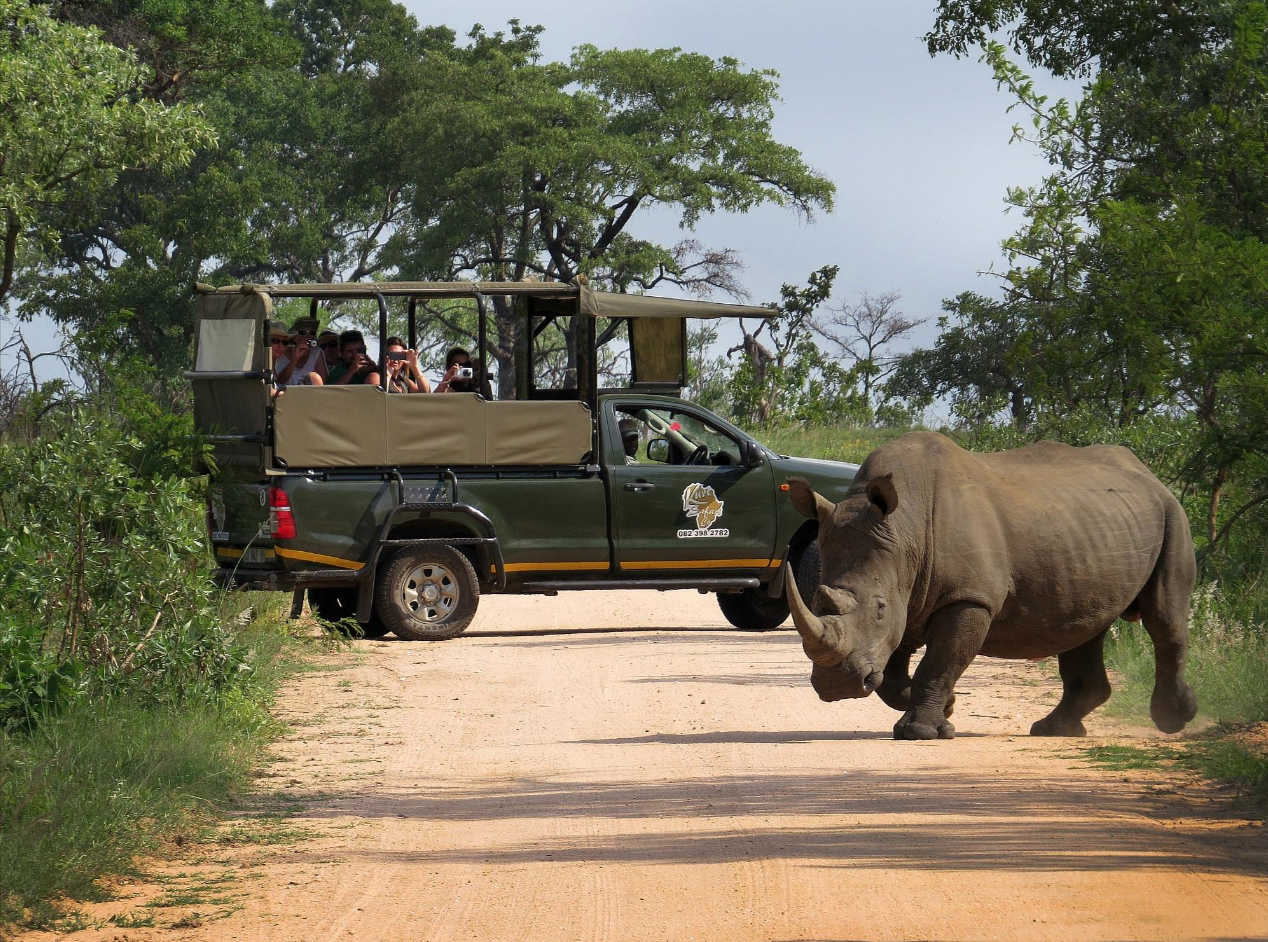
802, 537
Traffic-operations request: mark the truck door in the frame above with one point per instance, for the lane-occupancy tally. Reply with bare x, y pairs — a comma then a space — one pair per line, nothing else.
681, 499
231, 409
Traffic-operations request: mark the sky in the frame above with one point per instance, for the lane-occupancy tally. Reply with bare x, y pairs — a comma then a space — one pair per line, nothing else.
918, 147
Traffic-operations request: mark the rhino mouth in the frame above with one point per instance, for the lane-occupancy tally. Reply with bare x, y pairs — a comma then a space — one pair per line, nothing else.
842, 683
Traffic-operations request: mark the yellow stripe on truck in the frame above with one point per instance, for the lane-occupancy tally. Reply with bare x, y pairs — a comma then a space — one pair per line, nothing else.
763, 563
319, 558
579, 566
235, 552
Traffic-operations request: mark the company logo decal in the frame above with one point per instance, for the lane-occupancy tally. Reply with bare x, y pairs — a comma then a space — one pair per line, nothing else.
699, 502
218, 514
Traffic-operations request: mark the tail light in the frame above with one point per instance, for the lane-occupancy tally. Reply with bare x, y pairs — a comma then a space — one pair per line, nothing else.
281, 519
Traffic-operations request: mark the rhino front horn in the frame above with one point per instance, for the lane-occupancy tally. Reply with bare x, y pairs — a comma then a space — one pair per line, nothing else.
809, 626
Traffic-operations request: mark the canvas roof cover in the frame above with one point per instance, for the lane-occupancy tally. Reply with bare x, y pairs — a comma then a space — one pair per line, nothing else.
551, 297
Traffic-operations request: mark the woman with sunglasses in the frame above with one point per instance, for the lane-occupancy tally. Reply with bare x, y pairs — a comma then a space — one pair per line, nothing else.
306, 362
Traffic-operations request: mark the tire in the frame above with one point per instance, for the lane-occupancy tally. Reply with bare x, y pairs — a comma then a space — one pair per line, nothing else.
753, 609
335, 605
807, 569
427, 594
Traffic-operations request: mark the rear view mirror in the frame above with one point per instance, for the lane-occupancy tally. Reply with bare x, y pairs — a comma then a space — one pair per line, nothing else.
658, 450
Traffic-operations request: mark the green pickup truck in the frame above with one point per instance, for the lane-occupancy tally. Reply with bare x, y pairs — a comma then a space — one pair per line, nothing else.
400, 510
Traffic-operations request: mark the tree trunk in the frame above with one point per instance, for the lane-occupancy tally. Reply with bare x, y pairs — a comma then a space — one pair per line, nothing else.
1213, 508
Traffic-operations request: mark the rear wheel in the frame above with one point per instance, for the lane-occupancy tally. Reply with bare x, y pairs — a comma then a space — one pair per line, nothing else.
336, 605
427, 594
753, 609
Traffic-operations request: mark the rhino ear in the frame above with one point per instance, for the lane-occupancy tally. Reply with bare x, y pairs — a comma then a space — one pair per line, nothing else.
808, 503
882, 494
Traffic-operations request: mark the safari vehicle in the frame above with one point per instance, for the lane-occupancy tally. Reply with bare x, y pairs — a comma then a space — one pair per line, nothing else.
401, 510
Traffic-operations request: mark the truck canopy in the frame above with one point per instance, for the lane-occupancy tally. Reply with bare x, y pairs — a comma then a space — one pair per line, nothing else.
358, 426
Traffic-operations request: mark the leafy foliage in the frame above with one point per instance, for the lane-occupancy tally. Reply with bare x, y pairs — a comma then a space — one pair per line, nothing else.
1137, 283
69, 125
102, 566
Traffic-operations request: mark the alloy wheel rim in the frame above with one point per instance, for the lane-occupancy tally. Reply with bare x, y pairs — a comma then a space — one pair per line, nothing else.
430, 592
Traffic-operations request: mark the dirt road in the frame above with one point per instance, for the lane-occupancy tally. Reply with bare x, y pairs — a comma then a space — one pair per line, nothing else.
624, 766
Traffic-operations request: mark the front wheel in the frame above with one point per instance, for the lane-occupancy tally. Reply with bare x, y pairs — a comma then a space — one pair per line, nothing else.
427, 594
753, 609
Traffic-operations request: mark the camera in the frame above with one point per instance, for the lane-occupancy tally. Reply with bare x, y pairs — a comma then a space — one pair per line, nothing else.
464, 372
396, 355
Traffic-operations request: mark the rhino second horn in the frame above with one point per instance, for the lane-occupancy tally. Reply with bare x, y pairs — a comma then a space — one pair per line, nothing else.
809, 626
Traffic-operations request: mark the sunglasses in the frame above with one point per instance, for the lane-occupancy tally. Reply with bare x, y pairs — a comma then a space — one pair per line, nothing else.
278, 340
329, 345
306, 333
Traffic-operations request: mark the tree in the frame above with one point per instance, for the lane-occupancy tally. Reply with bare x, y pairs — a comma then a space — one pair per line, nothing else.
528, 168
862, 334
1137, 284
786, 377
69, 126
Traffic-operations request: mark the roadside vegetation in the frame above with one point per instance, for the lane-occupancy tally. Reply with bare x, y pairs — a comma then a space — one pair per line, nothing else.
133, 696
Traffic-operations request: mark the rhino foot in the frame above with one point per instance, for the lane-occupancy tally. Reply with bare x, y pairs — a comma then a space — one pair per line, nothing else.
1053, 725
913, 729
1173, 710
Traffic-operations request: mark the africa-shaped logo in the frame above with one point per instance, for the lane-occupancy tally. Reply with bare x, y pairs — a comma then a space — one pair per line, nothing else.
699, 501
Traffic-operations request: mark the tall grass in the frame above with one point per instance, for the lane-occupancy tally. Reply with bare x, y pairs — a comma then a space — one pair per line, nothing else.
1227, 666
828, 442
111, 777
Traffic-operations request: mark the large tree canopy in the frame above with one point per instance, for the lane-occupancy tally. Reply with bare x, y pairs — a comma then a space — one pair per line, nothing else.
355, 144
70, 125
1138, 284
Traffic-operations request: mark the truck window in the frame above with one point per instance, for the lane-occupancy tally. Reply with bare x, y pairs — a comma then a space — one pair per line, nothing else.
671, 436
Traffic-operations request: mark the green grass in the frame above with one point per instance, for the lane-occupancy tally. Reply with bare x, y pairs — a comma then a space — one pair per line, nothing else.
1227, 666
1129, 757
107, 780
832, 443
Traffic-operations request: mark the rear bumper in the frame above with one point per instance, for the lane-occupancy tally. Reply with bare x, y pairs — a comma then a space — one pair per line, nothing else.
279, 580
268, 580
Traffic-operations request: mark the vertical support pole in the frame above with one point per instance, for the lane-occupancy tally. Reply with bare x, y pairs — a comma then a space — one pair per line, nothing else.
378, 296
413, 332
482, 314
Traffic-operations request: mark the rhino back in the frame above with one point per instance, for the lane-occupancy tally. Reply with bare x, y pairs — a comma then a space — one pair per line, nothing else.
1055, 541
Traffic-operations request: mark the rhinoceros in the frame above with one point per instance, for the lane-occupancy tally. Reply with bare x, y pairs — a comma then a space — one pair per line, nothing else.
1017, 554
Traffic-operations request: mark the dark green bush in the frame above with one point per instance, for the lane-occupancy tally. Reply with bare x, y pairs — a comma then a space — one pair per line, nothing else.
103, 566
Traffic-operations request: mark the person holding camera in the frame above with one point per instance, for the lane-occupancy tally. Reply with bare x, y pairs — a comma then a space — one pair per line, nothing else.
355, 368
459, 374
401, 363
304, 363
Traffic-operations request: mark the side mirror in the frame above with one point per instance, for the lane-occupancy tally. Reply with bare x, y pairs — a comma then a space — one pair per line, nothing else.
750, 454
658, 450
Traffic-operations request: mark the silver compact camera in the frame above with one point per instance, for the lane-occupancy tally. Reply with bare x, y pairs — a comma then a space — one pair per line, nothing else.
464, 372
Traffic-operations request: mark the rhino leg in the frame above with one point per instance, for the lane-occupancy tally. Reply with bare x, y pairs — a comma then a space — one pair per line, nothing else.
895, 689
954, 636
1084, 688
1164, 609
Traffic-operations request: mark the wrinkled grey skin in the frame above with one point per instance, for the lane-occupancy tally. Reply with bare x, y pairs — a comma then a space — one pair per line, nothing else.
1020, 554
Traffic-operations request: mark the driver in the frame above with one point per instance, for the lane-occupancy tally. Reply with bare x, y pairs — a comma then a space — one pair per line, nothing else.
629, 439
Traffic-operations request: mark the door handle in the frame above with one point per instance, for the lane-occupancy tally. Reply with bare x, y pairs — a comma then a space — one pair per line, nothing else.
639, 486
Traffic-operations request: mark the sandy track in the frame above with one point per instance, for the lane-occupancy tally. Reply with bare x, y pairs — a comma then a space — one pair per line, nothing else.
586, 767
